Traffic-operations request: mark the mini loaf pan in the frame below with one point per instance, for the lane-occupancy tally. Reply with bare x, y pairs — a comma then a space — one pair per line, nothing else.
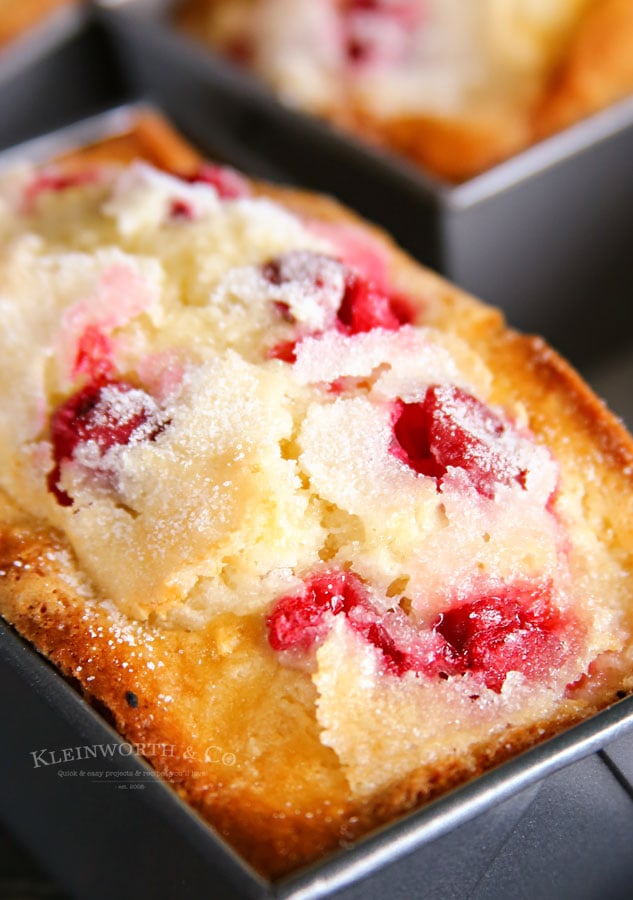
42, 38
557, 820
61, 71
544, 235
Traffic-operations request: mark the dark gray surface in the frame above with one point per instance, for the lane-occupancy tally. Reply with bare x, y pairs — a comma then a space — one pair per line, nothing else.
574, 843
76, 77
568, 838
20, 876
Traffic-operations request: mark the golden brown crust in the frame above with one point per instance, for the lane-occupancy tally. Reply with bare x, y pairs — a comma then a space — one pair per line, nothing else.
597, 70
150, 138
180, 705
454, 149
17, 18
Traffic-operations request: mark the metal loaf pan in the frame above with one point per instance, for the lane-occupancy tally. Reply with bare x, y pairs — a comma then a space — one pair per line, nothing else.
544, 236
42, 38
557, 820
59, 71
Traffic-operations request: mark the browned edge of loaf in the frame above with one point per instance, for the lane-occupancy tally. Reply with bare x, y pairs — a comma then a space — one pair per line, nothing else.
596, 69
48, 612
150, 138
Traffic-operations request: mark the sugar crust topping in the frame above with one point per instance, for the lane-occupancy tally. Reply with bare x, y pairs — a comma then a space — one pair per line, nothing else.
196, 470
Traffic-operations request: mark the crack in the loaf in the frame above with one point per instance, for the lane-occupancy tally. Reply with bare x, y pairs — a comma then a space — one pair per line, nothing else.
398, 586
342, 528
128, 510
289, 449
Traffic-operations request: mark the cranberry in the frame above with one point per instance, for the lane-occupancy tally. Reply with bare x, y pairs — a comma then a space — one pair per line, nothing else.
301, 621
229, 184
105, 412
312, 271
377, 32
452, 428
55, 182
514, 630
286, 351
401, 653
180, 209
357, 51
298, 621
364, 307
94, 354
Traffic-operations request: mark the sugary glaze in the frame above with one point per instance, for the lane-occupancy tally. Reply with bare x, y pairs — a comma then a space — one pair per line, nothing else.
454, 84
303, 500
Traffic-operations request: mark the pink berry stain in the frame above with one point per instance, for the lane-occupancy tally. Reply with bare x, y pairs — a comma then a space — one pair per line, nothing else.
55, 182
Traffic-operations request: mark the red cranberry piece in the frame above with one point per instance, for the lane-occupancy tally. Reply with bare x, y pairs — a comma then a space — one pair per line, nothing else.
229, 184
180, 209
105, 412
286, 351
452, 428
55, 182
298, 621
515, 630
397, 659
364, 307
313, 271
301, 621
284, 311
367, 45
94, 354
357, 51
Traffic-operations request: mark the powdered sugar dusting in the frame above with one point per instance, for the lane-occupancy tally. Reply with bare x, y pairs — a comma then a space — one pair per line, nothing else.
195, 476
133, 408
409, 358
310, 287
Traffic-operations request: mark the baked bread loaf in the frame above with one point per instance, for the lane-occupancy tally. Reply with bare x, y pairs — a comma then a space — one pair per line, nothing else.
286, 502
17, 18
456, 86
